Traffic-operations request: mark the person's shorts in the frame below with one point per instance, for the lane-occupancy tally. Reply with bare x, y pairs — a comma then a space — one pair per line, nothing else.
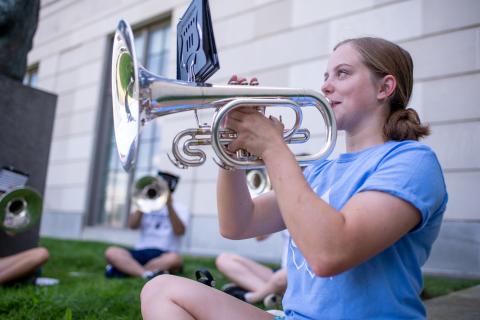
142, 256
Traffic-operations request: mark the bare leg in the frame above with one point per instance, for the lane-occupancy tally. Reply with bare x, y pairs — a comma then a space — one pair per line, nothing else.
21, 264
121, 259
244, 272
171, 297
276, 284
171, 261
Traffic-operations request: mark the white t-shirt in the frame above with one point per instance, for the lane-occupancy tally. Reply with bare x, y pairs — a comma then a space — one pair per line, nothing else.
156, 230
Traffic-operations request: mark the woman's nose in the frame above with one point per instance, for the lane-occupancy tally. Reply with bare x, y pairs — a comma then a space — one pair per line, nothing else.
327, 87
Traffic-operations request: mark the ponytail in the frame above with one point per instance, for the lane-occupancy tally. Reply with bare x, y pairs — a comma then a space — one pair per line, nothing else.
404, 124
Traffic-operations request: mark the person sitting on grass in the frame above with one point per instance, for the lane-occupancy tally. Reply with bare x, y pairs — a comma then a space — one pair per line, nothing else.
157, 250
22, 266
251, 281
361, 225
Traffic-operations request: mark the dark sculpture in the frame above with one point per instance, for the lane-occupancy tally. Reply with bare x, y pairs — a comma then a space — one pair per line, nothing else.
18, 22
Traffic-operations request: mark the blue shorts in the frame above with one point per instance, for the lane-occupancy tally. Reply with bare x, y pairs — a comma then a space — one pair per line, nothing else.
142, 256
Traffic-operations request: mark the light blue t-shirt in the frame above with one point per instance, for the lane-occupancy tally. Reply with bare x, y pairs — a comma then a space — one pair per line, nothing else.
388, 285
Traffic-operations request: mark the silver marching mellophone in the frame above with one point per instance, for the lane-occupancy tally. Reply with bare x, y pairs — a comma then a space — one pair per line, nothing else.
140, 96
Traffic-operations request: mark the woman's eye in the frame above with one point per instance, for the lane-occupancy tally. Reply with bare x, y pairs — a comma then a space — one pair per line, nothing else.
342, 73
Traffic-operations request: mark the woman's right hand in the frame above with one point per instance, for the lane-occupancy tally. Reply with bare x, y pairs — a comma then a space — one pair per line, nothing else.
236, 80
255, 132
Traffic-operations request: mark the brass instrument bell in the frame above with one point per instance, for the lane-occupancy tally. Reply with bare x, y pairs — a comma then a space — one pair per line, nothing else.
20, 209
151, 193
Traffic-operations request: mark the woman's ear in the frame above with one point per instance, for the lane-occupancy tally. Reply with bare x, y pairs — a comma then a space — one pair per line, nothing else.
387, 87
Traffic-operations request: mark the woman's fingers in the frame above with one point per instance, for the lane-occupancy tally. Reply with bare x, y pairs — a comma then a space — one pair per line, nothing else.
254, 131
236, 80
233, 79
239, 114
234, 145
242, 115
277, 124
232, 122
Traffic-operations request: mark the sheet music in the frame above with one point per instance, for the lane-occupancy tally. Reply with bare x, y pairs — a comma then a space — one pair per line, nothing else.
10, 179
197, 58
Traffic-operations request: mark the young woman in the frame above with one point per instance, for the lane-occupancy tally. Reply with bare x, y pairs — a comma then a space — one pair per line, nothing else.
361, 225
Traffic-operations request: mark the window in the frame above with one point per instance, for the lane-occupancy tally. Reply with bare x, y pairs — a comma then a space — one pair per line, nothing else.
31, 76
152, 52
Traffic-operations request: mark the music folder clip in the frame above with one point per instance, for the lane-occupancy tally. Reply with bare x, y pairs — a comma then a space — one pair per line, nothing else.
197, 58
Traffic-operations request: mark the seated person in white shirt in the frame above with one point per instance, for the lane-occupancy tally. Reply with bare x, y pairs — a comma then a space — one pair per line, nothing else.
157, 250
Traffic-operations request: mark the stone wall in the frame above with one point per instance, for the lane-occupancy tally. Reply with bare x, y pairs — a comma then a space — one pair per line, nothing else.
284, 43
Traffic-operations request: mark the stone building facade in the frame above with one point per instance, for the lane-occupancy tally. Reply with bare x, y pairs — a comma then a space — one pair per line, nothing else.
283, 42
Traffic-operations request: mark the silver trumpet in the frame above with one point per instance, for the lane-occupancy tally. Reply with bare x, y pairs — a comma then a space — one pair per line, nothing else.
20, 209
140, 96
150, 193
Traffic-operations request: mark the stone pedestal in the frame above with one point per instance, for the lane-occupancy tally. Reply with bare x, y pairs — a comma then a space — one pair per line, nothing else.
26, 125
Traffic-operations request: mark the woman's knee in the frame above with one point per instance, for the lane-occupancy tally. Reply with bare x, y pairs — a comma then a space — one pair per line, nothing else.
152, 293
280, 280
33, 258
171, 292
40, 255
177, 260
158, 288
224, 259
111, 253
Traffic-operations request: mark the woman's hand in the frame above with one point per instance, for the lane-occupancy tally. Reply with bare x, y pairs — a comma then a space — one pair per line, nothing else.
255, 132
236, 80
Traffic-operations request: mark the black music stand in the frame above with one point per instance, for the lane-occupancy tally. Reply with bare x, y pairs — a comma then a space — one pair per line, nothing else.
171, 179
197, 58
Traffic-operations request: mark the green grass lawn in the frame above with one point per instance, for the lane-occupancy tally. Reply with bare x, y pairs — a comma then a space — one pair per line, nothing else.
84, 293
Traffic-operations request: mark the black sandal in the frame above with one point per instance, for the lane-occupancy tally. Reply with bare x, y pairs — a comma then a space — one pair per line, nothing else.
204, 276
